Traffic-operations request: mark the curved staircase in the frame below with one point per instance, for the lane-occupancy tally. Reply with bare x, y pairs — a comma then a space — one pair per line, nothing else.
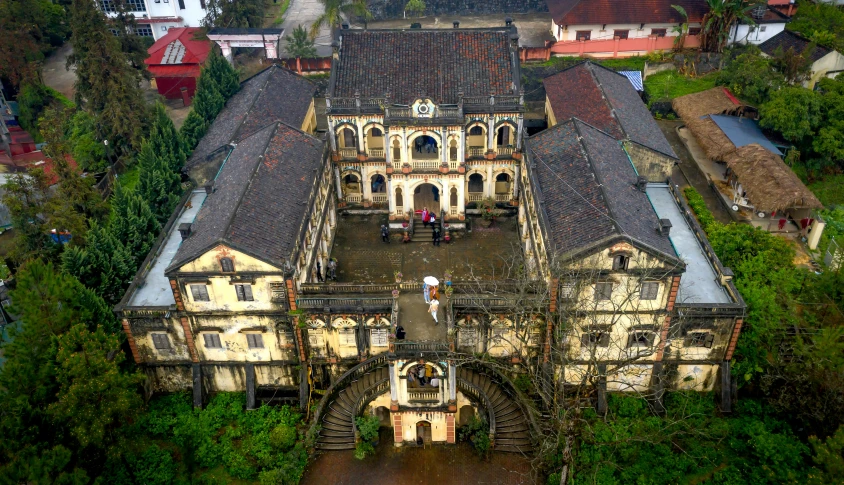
512, 432
337, 432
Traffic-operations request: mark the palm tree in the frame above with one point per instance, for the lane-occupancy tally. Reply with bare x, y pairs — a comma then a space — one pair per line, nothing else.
336, 10
299, 44
717, 23
683, 29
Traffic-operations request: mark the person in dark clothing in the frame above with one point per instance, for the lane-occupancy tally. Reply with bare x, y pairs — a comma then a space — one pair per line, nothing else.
385, 234
400, 333
436, 236
319, 272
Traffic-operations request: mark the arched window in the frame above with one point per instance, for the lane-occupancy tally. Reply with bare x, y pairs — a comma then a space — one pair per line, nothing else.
453, 197
452, 150
348, 138
504, 135
476, 131
396, 152
227, 264
379, 184
476, 183
502, 183
376, 132
351, 183
399, 200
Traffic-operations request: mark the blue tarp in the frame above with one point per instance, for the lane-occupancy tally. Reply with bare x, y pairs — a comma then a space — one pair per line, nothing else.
743, 131
635, 78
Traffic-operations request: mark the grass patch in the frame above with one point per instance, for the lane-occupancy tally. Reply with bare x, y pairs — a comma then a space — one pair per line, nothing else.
667, 85
130, 178
279, 15
636, 63
829, 189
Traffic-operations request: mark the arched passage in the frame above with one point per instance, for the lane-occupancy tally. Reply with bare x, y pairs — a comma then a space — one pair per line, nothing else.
427, 195
423, 432
379, 184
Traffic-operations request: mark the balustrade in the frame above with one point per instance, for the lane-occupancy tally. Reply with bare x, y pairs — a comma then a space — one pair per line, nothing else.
379, 198
475, 152
505, 151
349, 152
423, 395
354, 198
375, 153
425, 164
502, 197
476, 196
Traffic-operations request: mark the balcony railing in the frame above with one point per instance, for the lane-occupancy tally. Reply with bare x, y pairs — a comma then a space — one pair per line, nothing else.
425, 164
474, 152
502, 197
423, 395
491, 103
379, 198
453, 211
505, 151
440, 116
375, 153
476, 196
349, 152
354, 198
453, 165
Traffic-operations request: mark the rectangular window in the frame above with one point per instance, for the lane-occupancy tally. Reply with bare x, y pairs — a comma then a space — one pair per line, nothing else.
649, 290
498, 336
316, 340
378, 337
136, 5
182, 4
212, 340
620, 262
285, 335
640, 339
699, 339
199, 292
535, 337
143, 30
694, 30
583, 35
603, 291
160, 341
347, 337
621, 34
658, 32
468, 337
567, 291
244, 292
595, 339
107, 6
255, 340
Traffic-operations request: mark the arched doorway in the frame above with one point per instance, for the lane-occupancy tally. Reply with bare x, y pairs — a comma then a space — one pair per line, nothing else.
424, 147
383, 415
427, 195
476, 187
465, 415
502, 186
423, 433
351, 184
379, 184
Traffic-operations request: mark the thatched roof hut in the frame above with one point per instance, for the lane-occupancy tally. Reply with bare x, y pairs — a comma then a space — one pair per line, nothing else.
769, 182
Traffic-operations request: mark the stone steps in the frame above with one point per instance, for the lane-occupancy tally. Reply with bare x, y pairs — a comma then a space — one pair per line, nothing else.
512, 434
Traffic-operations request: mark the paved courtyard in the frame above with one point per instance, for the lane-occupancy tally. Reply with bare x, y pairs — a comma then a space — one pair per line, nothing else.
483, 253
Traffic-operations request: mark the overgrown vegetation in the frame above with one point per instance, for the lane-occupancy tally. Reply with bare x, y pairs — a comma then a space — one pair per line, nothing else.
667, 85
368, 427
819, 21
476, 432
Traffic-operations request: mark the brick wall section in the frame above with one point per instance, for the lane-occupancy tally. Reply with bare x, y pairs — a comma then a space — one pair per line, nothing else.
397, 428
189, 339
177, 295
663, 335
299, 339
449, 428
291, 294
733, 340
131, 339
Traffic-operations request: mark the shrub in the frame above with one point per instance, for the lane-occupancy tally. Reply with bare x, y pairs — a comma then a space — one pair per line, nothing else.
696, 202
283, 437
477, 433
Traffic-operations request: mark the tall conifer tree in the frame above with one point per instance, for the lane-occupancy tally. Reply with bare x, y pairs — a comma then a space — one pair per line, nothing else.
134, 223
193, 129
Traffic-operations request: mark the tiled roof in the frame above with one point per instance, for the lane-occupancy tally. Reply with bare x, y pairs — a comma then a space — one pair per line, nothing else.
437, 63
604, 99
580, 12
275, 94
588, 190
786, 40
258, 202
178, 46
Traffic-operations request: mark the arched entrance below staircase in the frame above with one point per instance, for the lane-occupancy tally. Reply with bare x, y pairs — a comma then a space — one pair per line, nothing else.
427, 195
423, 433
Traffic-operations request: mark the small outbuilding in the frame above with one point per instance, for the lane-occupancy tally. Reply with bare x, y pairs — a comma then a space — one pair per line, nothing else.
826, 62
175, 61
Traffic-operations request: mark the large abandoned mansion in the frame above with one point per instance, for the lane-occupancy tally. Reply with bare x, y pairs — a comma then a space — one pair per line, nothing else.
568, 255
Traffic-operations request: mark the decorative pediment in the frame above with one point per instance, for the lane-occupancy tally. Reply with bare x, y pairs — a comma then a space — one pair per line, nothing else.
316, 323
343, 322
424, 108
377, 322
622, 247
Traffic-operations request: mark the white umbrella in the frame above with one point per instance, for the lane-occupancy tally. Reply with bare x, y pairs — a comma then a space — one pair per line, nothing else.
431, 281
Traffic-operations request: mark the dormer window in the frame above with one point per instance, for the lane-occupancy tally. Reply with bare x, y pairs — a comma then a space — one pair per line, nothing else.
619, 262
227, 264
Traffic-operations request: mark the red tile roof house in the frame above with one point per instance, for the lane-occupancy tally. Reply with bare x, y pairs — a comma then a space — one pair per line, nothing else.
612, 28
175, 61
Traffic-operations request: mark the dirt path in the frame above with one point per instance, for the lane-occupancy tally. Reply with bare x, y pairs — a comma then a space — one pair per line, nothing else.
436, 465
54, 73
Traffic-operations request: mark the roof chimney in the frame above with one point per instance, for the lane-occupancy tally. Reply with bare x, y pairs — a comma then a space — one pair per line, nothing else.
209, 188
456, 24
642, 183
184, 230
664, 226
508, 21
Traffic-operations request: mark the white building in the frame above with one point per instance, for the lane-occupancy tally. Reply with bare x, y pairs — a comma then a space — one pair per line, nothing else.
155, 17
826, 62
768, 23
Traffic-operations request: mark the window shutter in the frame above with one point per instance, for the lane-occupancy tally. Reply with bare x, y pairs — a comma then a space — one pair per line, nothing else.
604, 340
160, 341
255, 340
378, 337
199, 292
227, 265
584, 340
710, 339
212, 340
247, 291
347, 337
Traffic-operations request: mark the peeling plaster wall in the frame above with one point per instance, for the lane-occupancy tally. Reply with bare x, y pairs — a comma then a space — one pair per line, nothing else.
144, 328
168, 378
651, 164
410, 418
276, 333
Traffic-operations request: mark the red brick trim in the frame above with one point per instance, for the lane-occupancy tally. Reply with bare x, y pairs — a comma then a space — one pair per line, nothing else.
189, 339
131, 339
177, 295
663, 334
397, 428
733, 340
291, 294
299, 339
449, 429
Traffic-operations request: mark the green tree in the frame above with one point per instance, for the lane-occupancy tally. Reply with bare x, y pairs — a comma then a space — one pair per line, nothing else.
334, 12
795, 66
33, 99
299, 44
134, 223
104, 265
818, 19
224, 75
165, 141
87, 150
134, 46
193, 129
794, 112
158, 184
26, 195
415, 7
106, 84
829, 459
234, 13
29, 29
94, 396
751, 76
719, 20
682, 30
208, 101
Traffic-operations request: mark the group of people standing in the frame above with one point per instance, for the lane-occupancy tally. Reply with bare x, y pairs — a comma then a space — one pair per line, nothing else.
424, 375
330, 271
426, 144
428, 217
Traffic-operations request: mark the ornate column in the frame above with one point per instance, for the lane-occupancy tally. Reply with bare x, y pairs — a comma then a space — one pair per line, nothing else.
394, 386
461, 198
461, 148
404, 146
516, 179
366, 185
452, 384
331, 135
391, 195
388, 150
359, 125
227, 50
490, 139
339, 182
490, 184
519, 132
445, 196
444, 146
406, 195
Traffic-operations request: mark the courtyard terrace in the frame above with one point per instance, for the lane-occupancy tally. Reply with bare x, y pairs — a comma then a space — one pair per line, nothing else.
483, 253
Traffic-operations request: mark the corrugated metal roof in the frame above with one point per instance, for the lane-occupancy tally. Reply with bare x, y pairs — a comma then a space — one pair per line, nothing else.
173, 53
743, 131
635, 78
